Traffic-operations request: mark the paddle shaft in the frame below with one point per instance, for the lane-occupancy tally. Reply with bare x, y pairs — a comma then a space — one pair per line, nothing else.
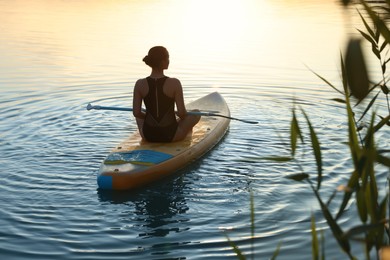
90, 107
199, 113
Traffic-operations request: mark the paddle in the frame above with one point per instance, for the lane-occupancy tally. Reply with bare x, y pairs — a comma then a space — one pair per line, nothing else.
199, 113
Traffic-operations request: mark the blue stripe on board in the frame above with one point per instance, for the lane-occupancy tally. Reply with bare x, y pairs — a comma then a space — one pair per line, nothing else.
104, 182
143, 156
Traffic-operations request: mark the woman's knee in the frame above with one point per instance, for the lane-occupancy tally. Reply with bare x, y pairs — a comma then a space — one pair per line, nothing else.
194, 120
180, 134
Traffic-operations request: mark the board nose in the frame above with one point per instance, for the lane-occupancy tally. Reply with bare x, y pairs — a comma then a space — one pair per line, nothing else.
104, 182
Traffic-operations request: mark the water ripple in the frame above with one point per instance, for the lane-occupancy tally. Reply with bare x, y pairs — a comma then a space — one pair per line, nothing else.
51, 147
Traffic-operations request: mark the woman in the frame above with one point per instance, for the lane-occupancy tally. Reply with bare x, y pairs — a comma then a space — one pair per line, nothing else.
160, 94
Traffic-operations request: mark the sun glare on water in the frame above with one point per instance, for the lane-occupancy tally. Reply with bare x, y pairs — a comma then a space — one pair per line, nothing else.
203, 37
215, 24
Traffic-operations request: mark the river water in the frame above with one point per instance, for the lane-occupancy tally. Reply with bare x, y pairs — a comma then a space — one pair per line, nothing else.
56, 56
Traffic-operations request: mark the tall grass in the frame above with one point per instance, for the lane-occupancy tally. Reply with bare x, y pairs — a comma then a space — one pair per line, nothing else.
362, 187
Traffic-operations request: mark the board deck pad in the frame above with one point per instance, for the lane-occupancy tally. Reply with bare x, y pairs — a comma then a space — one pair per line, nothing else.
142, 157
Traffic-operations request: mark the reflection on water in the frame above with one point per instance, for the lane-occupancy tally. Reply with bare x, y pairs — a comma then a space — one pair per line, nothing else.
56, 56
159, 209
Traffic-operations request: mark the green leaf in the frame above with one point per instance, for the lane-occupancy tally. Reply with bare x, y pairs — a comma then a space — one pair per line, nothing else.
331, 197
384, 88
377, 35
314, 239
387, 123
368, 28
344, 76
252, 210
361, 205
369, 91
362, 229
368, 38
387, 61
373, 41
356, 70
277, 250
371, 200
236, 249
373, 186
383, 46
295, 132
382, 160
369, 139
380, 24
335, 228
323, 245
316, 149
381, 123
345, 2
375, 50
327, 82
352, 184
277, 158
352, 135
339, 100
298, 176
383, 208
369, 106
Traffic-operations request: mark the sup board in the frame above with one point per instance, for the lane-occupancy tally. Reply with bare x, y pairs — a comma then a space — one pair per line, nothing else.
135, 162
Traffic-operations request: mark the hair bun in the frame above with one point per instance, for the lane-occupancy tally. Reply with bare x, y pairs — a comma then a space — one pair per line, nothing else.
155, 56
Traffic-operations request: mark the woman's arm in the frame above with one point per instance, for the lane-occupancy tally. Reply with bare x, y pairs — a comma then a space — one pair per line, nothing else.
137, 101
179, 100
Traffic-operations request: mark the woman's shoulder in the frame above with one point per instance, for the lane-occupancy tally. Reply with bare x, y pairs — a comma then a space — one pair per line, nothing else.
141, 81
141, 86
174, 81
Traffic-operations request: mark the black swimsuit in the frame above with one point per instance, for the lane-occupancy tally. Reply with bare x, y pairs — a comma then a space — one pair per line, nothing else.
160, 122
